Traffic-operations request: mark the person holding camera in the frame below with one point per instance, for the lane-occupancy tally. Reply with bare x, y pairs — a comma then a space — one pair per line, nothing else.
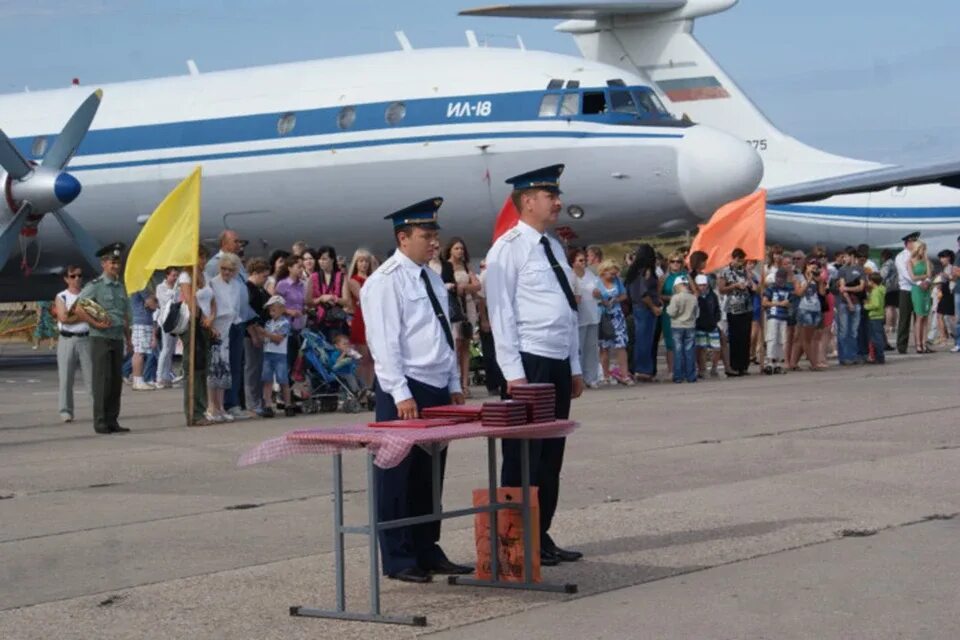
465, 285
811, 289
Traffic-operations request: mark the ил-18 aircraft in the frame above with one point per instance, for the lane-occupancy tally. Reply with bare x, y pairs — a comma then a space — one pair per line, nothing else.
322, 150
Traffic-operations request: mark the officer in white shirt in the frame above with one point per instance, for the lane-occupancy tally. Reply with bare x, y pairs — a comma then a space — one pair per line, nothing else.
411, 342
533, 315
905, 303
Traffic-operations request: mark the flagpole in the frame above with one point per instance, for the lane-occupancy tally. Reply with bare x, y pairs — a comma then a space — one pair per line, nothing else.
191, 370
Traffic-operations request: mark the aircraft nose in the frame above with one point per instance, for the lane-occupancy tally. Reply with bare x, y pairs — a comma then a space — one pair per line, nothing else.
716, 168
66, 188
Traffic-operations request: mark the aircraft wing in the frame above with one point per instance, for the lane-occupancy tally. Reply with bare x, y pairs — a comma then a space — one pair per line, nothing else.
945, 173
576, 10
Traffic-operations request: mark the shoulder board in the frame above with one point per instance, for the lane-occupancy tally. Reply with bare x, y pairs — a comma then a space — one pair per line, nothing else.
389, 266
511, 235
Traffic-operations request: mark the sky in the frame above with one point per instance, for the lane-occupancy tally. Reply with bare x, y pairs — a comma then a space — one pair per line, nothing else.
872, 79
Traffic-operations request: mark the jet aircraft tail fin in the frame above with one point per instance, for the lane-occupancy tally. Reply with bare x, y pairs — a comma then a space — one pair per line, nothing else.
655, 40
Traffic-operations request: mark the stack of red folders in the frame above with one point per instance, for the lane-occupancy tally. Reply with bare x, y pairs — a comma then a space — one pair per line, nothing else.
509, 413
541, 399
469, 412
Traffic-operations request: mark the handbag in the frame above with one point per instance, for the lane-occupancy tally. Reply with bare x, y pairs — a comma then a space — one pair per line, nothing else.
606, 331
456, 309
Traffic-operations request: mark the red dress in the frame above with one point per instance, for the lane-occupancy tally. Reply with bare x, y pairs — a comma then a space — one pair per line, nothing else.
358, 330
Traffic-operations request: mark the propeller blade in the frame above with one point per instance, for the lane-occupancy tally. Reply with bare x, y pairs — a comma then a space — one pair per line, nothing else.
10, 233
73, 132
11, 160
81, 239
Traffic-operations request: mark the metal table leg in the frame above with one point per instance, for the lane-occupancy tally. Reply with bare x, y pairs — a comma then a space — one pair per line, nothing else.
371, 530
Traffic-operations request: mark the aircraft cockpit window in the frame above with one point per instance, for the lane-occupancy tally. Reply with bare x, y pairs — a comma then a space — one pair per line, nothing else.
621, 101
649, 104
395, 113
573, 84
554, 84
570, 105
549, 104
346, 117
286, 123
594, 103
616, 82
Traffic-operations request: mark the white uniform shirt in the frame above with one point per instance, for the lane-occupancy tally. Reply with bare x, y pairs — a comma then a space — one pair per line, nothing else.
404, 335
903, 271
528, 310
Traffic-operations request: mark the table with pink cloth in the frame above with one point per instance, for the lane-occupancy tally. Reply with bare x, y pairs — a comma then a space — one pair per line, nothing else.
386, 448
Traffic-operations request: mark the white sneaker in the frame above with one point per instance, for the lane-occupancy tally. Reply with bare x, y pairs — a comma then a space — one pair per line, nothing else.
955, 349
143, 386
238, 414
66, 417
225, 417
161, 385
213, 417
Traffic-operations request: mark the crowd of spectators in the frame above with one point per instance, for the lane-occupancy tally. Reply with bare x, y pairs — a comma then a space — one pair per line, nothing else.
792, 310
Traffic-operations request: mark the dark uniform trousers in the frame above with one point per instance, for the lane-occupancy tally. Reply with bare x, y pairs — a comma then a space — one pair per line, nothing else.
905, 307
546, 455
407, 490
107, 356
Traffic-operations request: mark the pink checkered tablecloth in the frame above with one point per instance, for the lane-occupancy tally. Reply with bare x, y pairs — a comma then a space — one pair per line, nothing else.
390, 445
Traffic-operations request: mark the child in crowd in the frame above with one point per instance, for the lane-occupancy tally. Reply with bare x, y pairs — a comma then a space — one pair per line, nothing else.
707, 335
276, 330
776, 301
344, 366
874, 307
683, 310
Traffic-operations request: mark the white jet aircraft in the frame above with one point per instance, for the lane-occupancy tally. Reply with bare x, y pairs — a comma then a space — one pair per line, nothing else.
655, 41
323, 150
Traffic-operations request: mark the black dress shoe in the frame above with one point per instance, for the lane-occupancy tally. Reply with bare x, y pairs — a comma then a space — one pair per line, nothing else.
446, 567
565, 555
118, 429
548, 558
411, 574
104, 431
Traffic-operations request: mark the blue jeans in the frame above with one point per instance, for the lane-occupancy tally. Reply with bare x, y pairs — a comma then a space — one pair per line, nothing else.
644, 323
956, 306
878, 338
848, 324
150, 361
684, 356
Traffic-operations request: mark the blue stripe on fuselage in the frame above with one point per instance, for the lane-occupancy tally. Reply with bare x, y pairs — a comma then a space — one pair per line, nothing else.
504, 107
357, 144
876, 214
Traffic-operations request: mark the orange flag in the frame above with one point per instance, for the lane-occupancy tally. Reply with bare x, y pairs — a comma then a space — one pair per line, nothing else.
741, 223
507, 219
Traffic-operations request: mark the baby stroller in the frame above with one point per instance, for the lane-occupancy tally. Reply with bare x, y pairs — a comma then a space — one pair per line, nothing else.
332, 383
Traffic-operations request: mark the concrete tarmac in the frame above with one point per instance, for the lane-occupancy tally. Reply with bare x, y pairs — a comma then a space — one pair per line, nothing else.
741, 508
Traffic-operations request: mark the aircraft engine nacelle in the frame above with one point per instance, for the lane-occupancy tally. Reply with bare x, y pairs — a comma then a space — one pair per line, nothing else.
45, 190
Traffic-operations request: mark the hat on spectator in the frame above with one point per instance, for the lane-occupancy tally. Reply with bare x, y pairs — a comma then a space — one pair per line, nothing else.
275, 300
111, 251
546, 178
423, 214
682, 280
702, 279
911, 237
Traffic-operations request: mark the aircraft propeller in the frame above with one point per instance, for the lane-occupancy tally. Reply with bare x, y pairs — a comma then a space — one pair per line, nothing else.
33, 191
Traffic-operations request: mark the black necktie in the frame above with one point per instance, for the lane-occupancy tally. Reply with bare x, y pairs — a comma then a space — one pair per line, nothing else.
558, 271
437, 309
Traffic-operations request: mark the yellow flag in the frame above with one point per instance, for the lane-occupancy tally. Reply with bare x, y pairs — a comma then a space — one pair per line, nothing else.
170, 237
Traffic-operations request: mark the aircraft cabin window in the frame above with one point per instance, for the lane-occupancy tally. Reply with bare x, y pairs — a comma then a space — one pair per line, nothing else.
554, 84
346, 117
286, 123
570, 105
594, 102
395, 113
39, 146
549, 104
